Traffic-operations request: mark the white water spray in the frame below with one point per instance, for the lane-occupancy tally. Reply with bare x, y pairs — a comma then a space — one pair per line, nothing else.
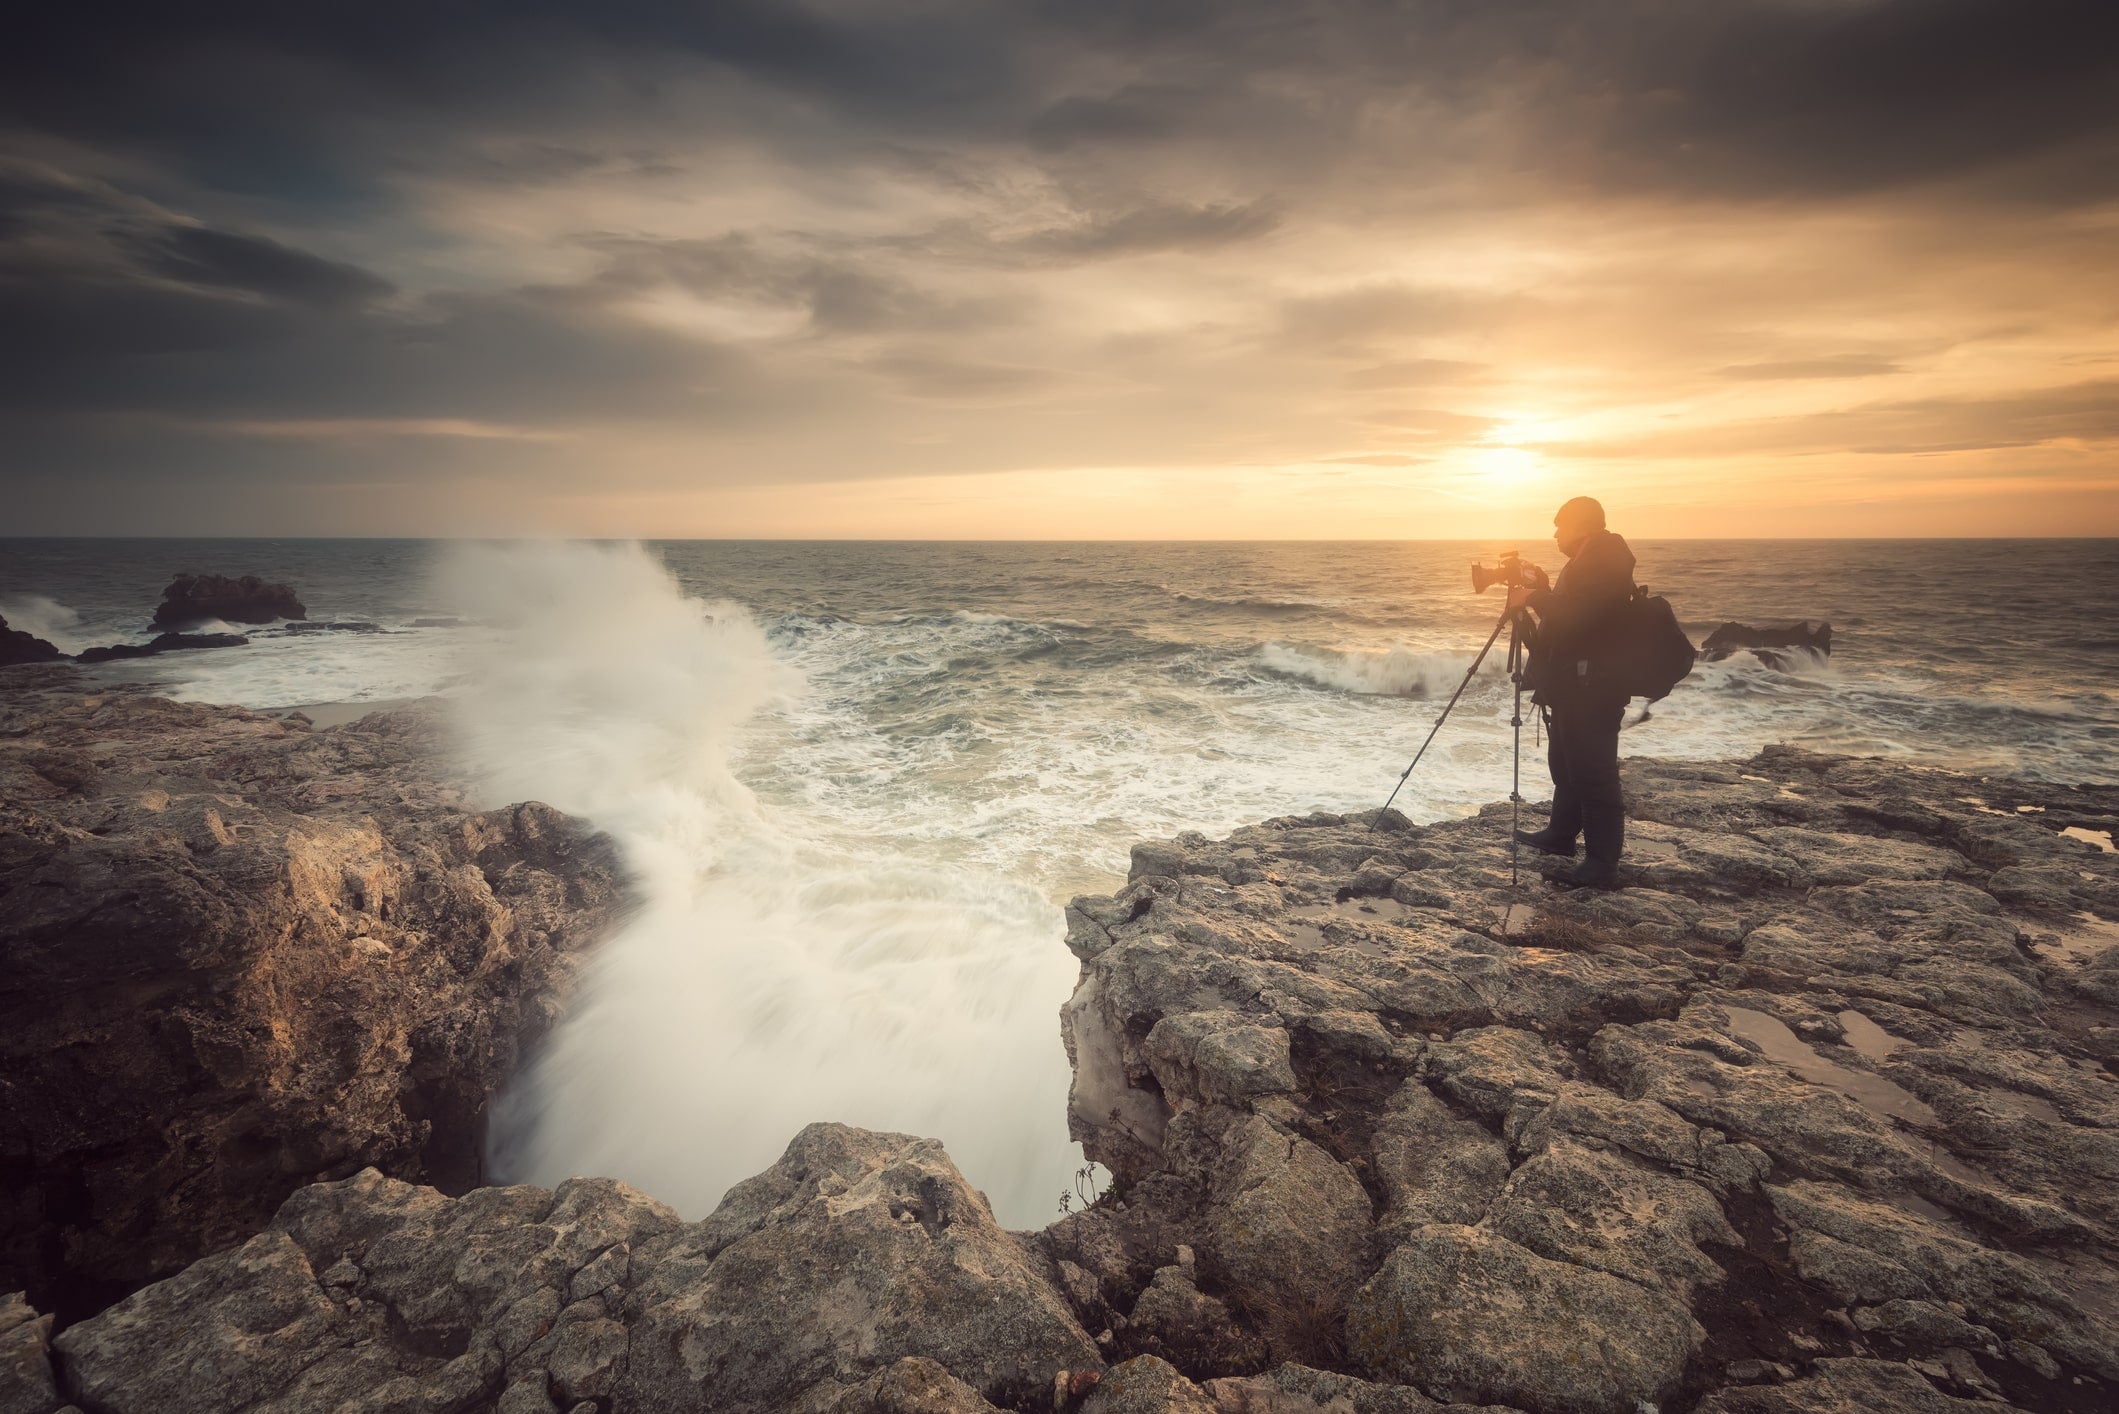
780, 969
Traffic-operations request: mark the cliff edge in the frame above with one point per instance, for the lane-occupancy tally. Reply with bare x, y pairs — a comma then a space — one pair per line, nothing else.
237, 956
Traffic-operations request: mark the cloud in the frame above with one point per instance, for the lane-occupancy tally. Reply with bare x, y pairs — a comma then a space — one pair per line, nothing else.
202, 256
1154, 227
784, 241
941, 377
1831, 366
2081, 412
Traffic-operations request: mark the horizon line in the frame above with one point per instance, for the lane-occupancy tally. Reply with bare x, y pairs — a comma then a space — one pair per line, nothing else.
1047, 540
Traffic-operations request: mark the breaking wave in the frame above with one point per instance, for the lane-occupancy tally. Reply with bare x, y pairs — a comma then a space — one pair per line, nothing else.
47, 619
780, 968
1397, 672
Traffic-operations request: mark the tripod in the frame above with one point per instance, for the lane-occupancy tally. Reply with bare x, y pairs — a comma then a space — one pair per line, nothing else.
1515, 722
1512, 620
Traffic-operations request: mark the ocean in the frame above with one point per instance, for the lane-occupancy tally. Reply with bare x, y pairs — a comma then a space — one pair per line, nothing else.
858, 781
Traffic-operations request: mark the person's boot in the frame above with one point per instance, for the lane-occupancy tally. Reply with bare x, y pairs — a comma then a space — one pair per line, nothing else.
1591, 873
1550, 840
1604, 837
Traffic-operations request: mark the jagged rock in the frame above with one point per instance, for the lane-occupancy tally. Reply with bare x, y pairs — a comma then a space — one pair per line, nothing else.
1147, 1385
201, 598
1769, 645
162, 643
853, 1251
1299, 1389
914, 1385
1285, 1226
860, 1273
1435, 1166
1467, 1314
1848, 1387
241, 956
1615, 1214
26, 1385
19, 647
1192, 1330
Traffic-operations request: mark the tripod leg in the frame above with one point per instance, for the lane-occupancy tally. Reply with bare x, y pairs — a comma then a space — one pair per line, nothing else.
1507, 617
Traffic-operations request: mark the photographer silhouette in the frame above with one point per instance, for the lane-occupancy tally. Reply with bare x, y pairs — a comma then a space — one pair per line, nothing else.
1576, 614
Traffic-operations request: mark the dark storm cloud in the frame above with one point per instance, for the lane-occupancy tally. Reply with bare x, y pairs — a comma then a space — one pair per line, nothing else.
113, 306
1744, 96
197, 255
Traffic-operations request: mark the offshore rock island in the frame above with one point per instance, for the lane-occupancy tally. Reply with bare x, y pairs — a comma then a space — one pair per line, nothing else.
1818, 1112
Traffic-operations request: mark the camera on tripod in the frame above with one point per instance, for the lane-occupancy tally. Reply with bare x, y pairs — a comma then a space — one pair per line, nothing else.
1511, 572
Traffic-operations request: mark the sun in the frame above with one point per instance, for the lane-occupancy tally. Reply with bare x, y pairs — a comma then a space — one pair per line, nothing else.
1506, 466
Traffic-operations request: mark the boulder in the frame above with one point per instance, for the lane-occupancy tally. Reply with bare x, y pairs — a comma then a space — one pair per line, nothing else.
1775, 647
855, 1250
201, 598
1147, 1385
1468, 1315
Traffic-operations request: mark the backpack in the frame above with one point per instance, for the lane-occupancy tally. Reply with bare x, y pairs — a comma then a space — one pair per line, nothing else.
1645, 653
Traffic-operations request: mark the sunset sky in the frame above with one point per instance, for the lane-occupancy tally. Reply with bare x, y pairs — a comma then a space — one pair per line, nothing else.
1194, 268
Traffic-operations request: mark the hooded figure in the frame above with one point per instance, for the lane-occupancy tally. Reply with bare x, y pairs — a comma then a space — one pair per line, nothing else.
1582, 714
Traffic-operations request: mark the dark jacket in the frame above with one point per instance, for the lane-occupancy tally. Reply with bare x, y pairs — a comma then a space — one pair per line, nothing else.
1573, 617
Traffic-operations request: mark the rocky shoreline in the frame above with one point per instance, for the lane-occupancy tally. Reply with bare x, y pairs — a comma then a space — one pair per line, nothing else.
1820, 1112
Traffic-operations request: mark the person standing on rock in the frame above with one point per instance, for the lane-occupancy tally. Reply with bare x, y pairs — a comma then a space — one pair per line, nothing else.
1574, 614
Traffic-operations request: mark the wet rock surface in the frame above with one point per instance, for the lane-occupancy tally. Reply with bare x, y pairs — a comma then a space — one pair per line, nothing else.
241, 956
1769, 645
1818, 1112
17, 646
162, 643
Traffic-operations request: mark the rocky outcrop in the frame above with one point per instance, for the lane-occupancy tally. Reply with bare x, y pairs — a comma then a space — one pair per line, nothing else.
1819, 1109
19, 647
1775, 647
193, 599
241, 956
1819, 1112
860, 1273
162, 643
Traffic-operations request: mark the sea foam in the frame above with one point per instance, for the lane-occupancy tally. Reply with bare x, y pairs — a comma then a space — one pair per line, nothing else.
1397, 672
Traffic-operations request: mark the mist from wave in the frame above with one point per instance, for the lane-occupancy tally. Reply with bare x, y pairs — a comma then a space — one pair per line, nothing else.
779, 968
